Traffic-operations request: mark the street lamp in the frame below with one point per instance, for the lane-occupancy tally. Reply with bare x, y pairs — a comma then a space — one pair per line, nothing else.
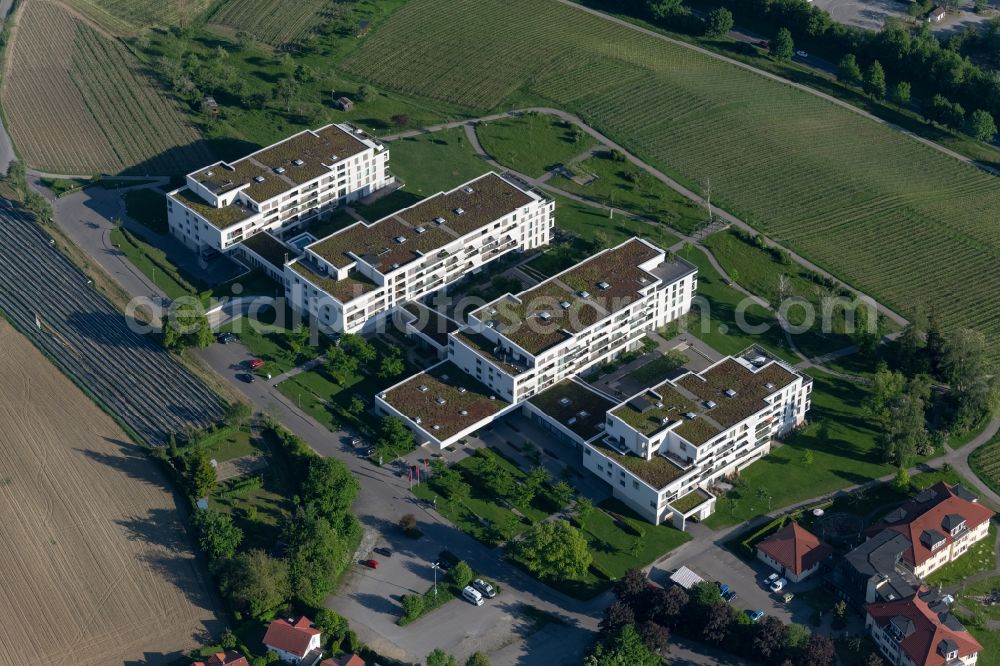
434, 566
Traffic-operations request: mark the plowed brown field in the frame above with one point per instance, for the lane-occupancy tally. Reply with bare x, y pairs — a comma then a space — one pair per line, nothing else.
96, 569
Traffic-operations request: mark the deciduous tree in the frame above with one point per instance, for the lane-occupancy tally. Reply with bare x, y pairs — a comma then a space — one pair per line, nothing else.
555, 549
848, 70
782, 47
719, 22
258, 582
875, 80
218, 537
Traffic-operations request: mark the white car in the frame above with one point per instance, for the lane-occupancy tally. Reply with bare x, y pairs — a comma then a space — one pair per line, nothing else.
485, 588
779, 585
773, 577
473, 595
802, 54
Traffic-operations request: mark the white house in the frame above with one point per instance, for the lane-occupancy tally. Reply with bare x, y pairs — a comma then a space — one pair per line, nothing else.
920, 631
294, 641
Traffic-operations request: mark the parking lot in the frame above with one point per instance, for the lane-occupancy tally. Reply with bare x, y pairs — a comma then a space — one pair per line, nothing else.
872, 14
747, 579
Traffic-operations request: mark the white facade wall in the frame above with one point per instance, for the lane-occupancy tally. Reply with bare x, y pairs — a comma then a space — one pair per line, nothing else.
291, 658
726, 453
953, 550
525, 228
894, 656
599, 343
348, 180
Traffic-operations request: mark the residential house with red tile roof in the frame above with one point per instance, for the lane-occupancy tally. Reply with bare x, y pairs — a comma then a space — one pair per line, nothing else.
794, 552
294, 641
227, 658
920, 631
346, 660
939, 524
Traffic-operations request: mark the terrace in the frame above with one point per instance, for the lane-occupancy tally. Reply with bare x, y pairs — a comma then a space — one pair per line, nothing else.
486, 348
575, 406
431, 323
354, 285
574, 300
738, 391
655, 409
268, 248
444, 400
658, 472
220, 218
284, 165
425, 227
691, 501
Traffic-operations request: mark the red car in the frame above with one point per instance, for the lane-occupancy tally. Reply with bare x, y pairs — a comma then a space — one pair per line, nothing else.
256, 363
371, 564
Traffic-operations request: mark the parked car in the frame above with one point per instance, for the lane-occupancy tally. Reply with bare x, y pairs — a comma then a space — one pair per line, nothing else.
729, 596
256, 363
369, 452
779, 585
371, 564
802, 54
773, 577
225, 338
384, 552
723, 589
355, 441
245, 377
473, 595
755, 615
484, 587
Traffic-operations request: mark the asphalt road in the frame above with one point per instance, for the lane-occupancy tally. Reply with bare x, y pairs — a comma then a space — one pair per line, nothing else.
370, 598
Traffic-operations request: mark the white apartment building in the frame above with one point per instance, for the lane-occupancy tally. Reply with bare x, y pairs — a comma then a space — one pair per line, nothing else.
517, 346
663, 448
278, 187
350, 279
589, 314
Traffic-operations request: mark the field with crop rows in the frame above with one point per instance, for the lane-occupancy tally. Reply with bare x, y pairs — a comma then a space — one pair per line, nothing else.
887, 214
271, 22
98, 568
77, 102
126, 17
986, 464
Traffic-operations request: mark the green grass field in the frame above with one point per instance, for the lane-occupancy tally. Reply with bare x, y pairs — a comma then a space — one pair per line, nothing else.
889, 215
624, 185
533, 143
844, 454
976, 560
430, 163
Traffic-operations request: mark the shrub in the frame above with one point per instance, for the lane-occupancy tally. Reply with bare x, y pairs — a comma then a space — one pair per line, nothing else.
461, 574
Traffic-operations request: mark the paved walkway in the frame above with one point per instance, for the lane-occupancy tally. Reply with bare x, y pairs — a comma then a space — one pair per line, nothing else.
469, 125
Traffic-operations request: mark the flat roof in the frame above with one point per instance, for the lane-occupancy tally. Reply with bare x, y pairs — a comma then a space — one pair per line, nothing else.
354, 285
738, 391
658, 472
552, 311
431, 322
301, 158
268, 248
574, 406
220, 218
425, 227
446, 400
654, 409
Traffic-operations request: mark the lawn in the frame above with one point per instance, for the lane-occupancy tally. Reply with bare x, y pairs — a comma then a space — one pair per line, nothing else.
970, 597
430, 163
861, 199
611, 530
773, 277
153, 263
483, 515
149, 208
312, 392
623, 185
726, 319
266, 341
844, 454
258, 508
533, 143
977, 559
229, 443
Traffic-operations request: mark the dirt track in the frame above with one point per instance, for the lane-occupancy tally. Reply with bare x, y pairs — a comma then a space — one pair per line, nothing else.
95, 567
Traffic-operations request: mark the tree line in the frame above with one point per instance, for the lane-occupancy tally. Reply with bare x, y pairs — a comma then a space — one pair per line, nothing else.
637, 626
902, 64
